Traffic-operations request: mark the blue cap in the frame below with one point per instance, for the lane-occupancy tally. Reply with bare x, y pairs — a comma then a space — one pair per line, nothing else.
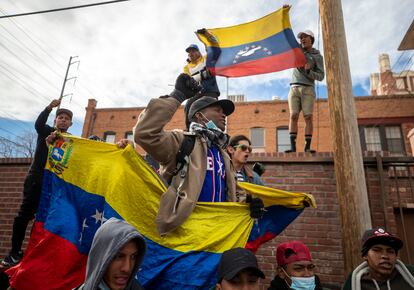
192, 46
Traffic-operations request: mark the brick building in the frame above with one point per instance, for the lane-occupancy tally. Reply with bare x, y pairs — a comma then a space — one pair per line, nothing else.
384, 122
387, 82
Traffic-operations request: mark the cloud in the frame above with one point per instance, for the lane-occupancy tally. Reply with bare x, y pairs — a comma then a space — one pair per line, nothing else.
132, 51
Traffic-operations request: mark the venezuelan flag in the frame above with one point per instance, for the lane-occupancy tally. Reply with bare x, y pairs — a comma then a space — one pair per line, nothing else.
87, 182
261, 46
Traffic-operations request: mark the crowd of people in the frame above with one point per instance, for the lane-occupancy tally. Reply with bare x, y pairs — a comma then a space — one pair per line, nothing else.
203, 163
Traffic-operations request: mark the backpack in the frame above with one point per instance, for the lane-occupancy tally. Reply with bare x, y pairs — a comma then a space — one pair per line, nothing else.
183, 153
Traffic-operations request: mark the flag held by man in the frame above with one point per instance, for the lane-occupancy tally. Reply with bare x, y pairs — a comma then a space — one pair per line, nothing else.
90, 182
261, 46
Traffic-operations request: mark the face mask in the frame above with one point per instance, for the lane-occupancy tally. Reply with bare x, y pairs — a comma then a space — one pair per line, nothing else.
210, 124
303, 283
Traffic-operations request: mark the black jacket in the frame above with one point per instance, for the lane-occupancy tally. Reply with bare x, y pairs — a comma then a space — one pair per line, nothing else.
43, 130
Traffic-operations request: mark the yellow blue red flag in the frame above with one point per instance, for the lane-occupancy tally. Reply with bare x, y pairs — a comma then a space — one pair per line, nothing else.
261, 46
87, 182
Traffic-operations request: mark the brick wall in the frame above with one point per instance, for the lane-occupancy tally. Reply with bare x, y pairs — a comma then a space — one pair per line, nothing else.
319, 228
12, 174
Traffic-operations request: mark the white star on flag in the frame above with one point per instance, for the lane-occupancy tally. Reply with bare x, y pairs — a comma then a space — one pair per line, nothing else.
98, 216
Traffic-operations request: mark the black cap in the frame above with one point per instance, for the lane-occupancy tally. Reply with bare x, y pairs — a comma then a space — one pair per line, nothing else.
235, 260
379, 236
64, 111
204, 102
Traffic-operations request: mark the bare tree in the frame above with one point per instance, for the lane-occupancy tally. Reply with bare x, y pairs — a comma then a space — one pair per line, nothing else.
22, 145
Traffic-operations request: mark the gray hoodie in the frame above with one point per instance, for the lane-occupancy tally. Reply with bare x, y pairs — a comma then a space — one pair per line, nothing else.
109, 239
302, 77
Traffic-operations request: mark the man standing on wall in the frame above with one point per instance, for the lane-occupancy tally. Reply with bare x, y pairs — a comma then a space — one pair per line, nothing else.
302, 90
33, 183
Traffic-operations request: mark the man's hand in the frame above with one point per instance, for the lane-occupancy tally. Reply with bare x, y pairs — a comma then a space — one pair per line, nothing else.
256, 206
307, 66
53, 104
185, 88
202, 31
124, 143
52, 138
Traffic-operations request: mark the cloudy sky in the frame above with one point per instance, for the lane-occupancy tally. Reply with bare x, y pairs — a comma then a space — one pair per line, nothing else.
132, 51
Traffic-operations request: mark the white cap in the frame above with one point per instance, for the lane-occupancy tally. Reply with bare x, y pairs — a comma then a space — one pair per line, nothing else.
307, 32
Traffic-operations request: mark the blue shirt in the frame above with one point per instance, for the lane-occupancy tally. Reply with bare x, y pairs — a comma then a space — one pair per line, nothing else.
214, 185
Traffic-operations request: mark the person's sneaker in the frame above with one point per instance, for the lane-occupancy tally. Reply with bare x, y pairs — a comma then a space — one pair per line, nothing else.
12, 260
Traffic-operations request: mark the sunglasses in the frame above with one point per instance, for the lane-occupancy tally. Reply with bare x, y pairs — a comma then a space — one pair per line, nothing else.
243, 147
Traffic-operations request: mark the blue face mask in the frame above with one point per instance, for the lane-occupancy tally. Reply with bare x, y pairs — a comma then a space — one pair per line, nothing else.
210, 125
303, 283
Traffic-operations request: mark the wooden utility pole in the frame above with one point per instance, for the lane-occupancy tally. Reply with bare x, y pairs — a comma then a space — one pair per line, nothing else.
349, 170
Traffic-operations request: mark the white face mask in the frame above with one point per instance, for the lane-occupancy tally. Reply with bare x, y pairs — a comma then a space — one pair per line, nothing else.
303, 283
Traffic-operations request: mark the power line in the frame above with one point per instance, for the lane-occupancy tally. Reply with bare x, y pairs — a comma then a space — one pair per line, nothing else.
29, 66
61, 9
40, 60
23, 83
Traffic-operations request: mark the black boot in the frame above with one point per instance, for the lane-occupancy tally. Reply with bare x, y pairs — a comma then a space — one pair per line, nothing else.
292, 142
308, 141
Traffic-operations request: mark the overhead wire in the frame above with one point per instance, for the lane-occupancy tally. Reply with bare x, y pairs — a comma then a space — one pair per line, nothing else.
82, 85
23, 83
61, 9
40, 60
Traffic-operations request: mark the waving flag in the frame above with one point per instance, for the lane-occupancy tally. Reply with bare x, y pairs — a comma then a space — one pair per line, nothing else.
261, 46
87, 182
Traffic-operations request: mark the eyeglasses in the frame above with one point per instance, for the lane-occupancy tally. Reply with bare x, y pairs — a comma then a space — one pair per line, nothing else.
243, 147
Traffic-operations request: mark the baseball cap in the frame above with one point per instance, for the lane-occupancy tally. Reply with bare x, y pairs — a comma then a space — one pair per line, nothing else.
204, 102
380, 236
191, 46
235, 260
292, 251
64, 111
307, 32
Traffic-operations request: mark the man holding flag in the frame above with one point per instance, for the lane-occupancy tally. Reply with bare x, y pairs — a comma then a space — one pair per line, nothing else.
208, 165
33, 182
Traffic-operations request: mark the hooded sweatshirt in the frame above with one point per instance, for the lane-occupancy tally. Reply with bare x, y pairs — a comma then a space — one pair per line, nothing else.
109, 239
400, 279
300, 76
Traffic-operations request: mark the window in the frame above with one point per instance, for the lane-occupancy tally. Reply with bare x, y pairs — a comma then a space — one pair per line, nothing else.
400, 83
282, 139
257, 137
382, 138
129, 136
109, 137
394, 140
372, 139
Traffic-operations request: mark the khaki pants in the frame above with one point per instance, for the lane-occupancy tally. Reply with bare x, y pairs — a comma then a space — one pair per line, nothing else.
301, 98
